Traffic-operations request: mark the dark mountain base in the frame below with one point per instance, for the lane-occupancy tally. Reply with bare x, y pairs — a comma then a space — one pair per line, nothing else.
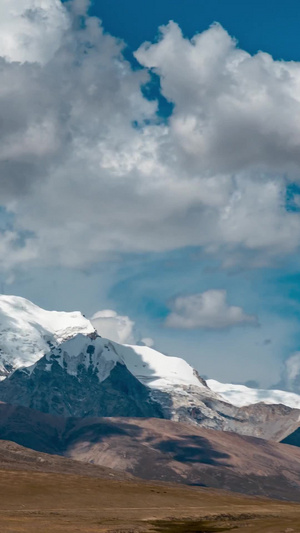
56, 392
161, 450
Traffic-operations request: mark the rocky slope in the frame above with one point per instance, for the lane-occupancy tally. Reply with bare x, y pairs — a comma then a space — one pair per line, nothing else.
15, 457
83, 377
177, 452
161, 450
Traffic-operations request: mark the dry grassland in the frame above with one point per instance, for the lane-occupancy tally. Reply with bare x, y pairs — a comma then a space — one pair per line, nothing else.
36, 502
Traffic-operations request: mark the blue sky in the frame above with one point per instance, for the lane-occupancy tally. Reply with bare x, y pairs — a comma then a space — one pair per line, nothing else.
154, 209
271, 26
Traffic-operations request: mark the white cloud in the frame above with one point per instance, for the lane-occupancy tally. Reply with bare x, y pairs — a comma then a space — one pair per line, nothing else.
31, 30
12, 254
118, 328
208, 310
232, 110
147, 341
83, 181
291, 373
113, 326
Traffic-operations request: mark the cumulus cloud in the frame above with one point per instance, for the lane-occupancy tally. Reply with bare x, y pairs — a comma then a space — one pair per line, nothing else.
118, 328
31, 30
87, 169
232, 110
113, 326
208, 310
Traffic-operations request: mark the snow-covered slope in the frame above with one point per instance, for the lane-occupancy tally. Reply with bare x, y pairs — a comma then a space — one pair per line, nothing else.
151, 368
157, 370
26, 330
240, 395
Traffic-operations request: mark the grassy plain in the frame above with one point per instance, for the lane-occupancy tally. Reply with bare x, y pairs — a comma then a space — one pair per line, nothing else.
38, 502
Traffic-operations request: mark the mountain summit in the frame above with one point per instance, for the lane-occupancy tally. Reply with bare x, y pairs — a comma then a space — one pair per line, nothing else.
26, 331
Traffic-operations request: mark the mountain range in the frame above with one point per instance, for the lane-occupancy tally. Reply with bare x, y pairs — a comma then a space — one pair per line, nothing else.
57, 363
65, 390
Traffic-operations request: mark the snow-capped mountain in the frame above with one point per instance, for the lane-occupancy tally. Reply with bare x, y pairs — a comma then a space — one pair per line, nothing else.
150, 367
26, 330
92, 376
79, 377
57, 363
240, 395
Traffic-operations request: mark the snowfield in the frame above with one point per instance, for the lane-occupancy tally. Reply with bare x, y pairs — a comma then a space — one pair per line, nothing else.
240, 395
157, 370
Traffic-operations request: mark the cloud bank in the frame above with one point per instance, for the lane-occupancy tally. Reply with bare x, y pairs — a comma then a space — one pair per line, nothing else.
207, 310
88, 169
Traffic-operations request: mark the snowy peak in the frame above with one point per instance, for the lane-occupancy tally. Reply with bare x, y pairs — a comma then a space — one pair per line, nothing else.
91, 353
100, 355
26, 331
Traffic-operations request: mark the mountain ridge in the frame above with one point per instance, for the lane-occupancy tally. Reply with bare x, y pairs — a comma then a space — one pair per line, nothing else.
87, 375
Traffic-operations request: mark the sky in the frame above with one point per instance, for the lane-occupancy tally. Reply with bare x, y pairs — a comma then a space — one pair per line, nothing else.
149, 174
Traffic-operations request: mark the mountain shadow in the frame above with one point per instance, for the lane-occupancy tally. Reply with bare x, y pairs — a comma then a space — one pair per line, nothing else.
57, 392
193, 449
